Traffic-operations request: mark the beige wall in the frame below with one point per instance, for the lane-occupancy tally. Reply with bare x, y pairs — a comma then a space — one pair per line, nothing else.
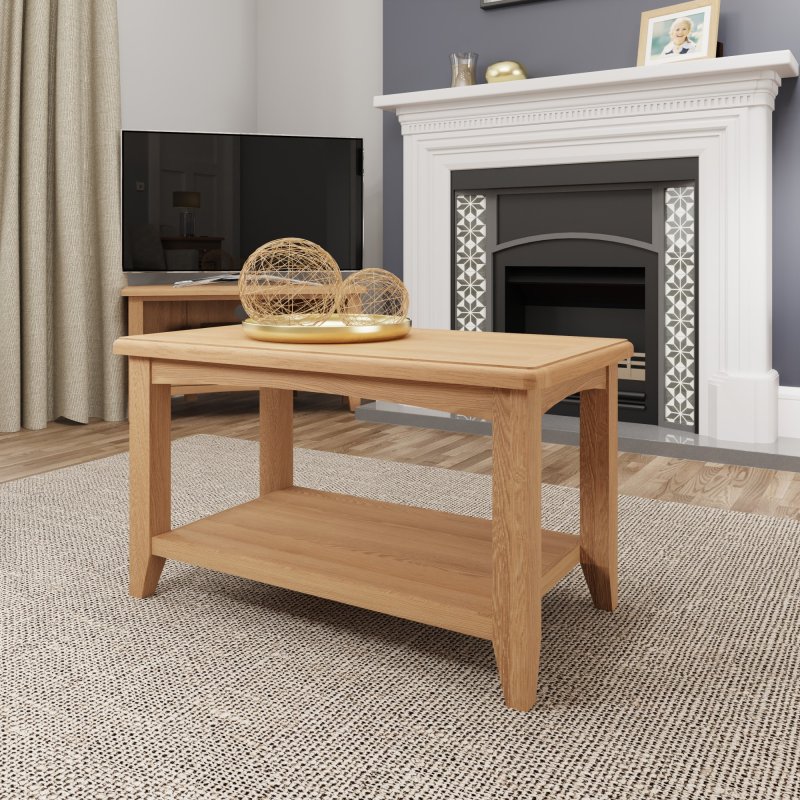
188, 65
320, 64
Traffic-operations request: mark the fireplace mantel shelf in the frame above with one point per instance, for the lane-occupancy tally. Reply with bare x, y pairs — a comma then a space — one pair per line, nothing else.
718, 111
716, 71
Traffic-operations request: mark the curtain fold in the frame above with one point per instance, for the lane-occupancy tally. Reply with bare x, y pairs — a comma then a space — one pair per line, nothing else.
60, 240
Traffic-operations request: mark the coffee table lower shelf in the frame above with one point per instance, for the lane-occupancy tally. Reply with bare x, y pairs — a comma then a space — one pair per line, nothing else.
427, 566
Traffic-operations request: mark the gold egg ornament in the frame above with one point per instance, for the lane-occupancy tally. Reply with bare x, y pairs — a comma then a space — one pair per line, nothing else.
505, 71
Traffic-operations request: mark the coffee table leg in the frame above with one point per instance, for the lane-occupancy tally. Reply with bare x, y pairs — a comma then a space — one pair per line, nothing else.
150, 488
599, 491
517, 543
276, 456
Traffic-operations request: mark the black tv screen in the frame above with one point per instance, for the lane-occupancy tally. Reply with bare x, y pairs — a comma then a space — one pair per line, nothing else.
205, 201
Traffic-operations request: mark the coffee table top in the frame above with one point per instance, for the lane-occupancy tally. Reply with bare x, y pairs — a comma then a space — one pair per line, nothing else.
499, 360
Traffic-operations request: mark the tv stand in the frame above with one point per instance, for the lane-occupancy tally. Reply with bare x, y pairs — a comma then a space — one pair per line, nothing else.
159, 308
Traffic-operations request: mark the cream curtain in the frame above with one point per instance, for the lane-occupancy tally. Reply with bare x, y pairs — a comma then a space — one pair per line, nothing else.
60, 251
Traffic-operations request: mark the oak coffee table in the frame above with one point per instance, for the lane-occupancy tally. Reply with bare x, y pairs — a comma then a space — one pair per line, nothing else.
480, 577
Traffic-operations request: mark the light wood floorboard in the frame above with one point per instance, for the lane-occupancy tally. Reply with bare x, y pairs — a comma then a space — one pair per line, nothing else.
322, 422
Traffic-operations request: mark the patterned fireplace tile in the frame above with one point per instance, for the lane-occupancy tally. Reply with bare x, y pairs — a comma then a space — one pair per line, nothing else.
680, 292
471, 278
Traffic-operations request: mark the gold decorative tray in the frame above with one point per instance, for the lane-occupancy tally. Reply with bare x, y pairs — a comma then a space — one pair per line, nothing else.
374, 328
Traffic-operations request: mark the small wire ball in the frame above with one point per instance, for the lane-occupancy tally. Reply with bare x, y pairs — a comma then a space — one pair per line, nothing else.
289, 282
372, 293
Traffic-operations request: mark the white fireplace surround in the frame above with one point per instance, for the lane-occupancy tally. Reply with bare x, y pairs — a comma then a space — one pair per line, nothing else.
719, 111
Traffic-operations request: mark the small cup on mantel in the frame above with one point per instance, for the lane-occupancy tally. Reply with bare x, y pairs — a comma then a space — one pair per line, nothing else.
505, 71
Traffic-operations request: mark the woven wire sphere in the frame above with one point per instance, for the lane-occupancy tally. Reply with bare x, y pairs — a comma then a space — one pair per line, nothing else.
289, 282
371, 293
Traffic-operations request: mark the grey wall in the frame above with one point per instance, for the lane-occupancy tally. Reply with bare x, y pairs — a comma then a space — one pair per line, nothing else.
554, 37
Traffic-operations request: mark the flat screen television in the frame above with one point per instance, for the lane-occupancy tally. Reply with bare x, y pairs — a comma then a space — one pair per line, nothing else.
202, 202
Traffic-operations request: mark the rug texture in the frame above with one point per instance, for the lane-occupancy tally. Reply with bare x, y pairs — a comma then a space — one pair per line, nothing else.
219, 687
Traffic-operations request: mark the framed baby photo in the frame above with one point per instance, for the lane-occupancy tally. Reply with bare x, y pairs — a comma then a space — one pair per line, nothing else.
683, 32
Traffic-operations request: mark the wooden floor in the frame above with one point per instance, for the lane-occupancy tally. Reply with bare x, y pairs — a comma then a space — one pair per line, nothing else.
323, 423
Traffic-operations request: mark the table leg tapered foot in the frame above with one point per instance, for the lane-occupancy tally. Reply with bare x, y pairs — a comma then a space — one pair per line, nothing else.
150, 468
516, 544
598, 479
144, 575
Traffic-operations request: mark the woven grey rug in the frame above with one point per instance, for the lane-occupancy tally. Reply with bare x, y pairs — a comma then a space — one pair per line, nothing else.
223, 688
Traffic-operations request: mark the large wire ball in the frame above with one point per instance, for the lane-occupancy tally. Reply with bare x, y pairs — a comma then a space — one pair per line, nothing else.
369, 293
289, 282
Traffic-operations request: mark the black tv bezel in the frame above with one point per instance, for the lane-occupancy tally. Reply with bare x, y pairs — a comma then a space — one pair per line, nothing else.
168, 276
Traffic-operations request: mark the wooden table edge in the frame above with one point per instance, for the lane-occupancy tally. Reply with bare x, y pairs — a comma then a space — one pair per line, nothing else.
301, 359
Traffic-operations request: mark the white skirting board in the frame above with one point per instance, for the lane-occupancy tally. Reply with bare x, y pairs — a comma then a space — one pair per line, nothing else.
789, 411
